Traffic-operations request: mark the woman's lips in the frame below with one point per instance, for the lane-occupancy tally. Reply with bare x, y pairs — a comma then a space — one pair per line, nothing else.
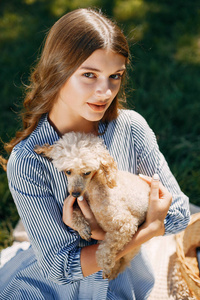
97, 106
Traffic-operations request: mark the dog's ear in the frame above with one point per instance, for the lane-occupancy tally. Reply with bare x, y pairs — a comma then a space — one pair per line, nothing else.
45, 150
108, 168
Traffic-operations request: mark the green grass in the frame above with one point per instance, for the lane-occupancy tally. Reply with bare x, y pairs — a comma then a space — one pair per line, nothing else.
164, 38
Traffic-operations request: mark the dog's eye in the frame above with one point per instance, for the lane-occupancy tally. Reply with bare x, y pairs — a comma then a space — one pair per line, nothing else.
86, 173
68, 172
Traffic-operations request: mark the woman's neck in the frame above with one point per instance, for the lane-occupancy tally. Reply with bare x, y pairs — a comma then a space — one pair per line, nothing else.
63, 124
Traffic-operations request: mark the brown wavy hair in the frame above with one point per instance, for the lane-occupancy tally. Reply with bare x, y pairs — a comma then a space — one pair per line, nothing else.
70, 41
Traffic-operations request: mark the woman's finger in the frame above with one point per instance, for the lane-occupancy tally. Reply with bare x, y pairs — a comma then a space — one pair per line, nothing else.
155, 184
145, 178
69, 202
162, 189
96, 231
85, 208
68, 209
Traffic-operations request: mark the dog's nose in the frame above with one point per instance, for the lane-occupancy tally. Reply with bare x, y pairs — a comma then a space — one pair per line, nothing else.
76, 194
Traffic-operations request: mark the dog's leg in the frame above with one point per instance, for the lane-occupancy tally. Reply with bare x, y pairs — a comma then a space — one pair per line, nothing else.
123, 263
81, 225
114, 241
107, 251
116, 269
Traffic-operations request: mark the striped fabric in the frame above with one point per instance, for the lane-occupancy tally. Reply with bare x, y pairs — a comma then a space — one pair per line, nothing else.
50, 268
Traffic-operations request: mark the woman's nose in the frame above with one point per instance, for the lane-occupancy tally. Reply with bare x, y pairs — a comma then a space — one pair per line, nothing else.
103, 90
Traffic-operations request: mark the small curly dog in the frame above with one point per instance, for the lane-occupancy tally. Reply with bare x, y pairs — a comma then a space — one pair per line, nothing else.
118, 199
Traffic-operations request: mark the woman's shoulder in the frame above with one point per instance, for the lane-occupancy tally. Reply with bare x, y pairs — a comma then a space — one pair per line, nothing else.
44, 133
22, 160
133, 120
131, 117
23, 157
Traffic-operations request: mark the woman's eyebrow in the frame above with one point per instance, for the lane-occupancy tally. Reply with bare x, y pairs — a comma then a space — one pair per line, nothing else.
90, 68
97, 70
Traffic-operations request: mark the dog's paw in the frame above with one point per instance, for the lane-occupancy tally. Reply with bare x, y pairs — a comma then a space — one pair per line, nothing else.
111, 273
108, 274
85, 233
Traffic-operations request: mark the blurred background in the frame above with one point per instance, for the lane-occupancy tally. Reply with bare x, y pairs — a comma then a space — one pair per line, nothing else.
163, 85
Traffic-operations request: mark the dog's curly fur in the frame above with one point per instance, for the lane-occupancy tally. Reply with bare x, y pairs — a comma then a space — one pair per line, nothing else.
118, 199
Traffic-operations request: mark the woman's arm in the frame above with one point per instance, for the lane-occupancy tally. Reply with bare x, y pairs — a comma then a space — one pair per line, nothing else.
56, 247
150, 161
159, 203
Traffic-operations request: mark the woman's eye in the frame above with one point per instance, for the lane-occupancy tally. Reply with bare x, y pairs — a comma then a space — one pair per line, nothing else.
68, 172
116, 76
89, 75
87, 173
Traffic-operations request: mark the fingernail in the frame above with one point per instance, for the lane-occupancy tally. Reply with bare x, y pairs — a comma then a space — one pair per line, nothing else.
142, 176
156, 177
80, 198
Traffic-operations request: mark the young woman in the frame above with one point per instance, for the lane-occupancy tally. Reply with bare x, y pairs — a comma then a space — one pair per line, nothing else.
76, 87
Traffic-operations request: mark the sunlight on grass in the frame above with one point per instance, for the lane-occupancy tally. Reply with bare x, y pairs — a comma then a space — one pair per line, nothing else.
29, 2
134, 9
133, 12
8, 214
188, 49
60, 7
6, 237
86, 3
136, 32
11, 25
129, 9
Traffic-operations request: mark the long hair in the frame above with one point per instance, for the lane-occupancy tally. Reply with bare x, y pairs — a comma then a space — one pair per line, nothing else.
71, 40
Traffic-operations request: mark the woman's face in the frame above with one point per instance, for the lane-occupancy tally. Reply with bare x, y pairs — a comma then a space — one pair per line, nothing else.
92, 87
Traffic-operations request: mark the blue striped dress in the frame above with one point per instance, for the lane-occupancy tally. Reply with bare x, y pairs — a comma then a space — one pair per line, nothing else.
50, 268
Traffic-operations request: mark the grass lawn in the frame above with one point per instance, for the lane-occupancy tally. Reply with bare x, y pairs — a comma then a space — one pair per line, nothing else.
163, 85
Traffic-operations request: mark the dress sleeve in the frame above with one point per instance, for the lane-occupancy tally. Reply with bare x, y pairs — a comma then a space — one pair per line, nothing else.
55, 245
150, 161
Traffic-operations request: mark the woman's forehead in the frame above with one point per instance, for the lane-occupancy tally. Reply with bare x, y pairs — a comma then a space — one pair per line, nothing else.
104, 58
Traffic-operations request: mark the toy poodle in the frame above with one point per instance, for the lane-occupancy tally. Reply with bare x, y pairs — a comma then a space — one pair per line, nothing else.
118, 199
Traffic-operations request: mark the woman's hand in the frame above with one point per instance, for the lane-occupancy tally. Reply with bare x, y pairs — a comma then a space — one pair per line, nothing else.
97, 232
159, 202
